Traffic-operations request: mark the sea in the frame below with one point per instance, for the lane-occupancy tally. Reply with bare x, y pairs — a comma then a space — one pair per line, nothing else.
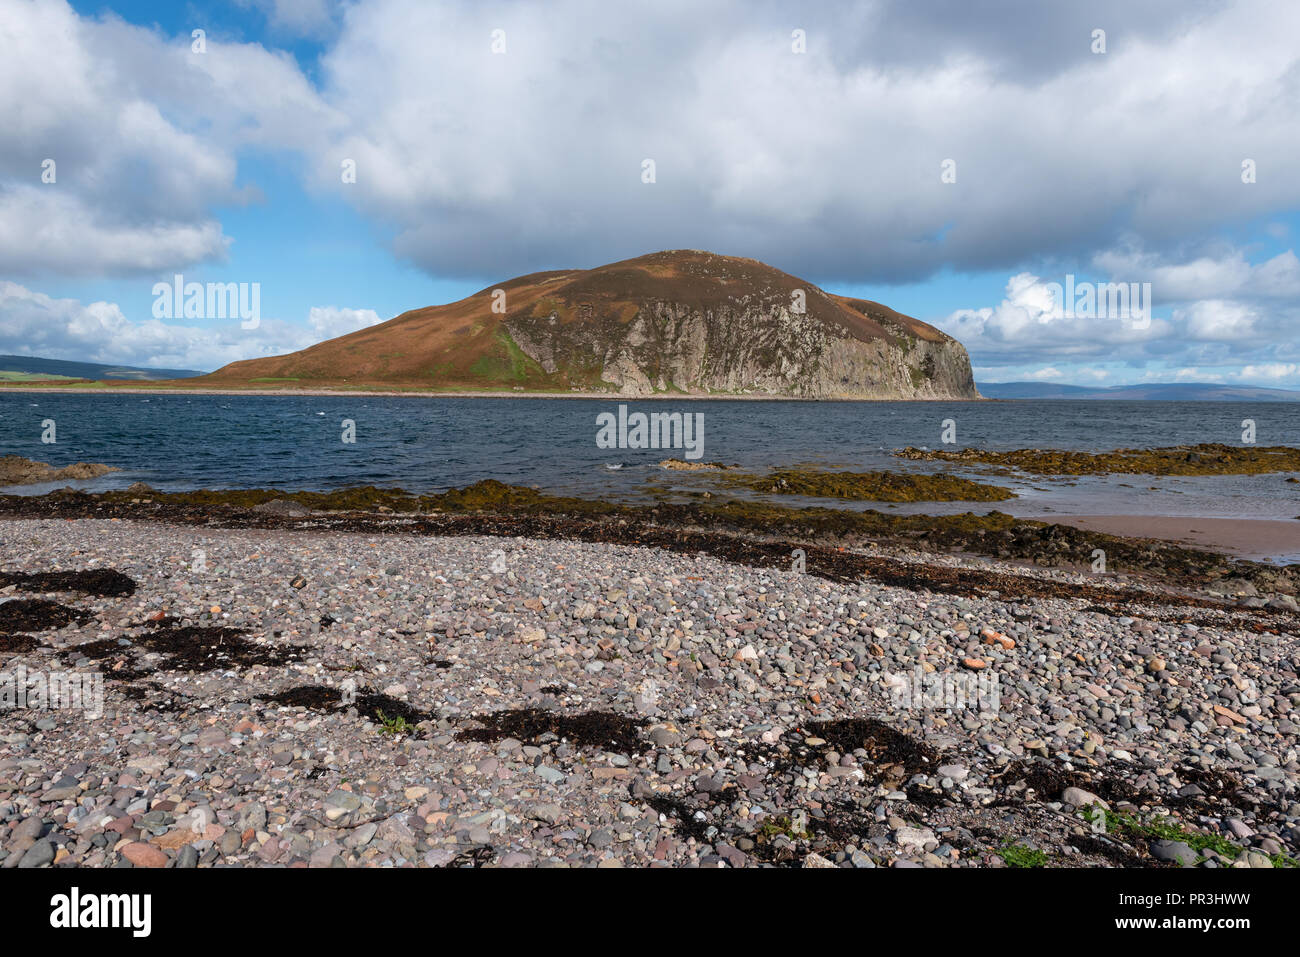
431, 443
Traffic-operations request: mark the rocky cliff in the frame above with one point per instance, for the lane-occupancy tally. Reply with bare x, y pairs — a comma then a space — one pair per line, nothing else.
672, 322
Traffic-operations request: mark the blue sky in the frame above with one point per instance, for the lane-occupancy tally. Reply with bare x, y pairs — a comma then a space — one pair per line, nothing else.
475, 165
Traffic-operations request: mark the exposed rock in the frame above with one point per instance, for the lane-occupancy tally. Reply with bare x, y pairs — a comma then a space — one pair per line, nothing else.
1078, 797
706, 324
679, 466
16, 470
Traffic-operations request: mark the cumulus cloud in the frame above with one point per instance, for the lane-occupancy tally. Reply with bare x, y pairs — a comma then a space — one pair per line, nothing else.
826, 163
1032, 322
1091, 372
328, 322
1183, 374
1216, 320
1226, 275
48, 232
143, 135
1256, 338
1271, 371
32, 323
308, 18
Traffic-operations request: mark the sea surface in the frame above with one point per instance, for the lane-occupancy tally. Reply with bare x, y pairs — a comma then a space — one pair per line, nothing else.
179, 442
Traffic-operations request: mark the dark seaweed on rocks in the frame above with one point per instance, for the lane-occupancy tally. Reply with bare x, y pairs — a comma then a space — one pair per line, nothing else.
1047, 781
119, 668
105, 582
1217, 790
381, 707
1116, 853
154, 697
189, 648
1210, 458
591, 729
17, 644
311, 697
681, 812
37, 614
372, 705
98, 650
883, 744
195, 648
474, 857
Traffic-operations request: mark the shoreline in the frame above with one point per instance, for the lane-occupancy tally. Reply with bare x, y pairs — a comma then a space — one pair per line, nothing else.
1257, 539
1270, 540
438, 394
763, 533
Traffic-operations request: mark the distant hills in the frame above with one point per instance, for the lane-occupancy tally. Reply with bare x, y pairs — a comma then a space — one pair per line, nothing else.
1166, 391
33, 368
682, 322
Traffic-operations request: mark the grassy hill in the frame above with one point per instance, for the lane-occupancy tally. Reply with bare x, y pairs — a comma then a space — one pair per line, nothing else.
682, 321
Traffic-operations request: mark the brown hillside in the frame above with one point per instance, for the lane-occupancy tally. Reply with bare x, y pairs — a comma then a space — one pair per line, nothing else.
683, 320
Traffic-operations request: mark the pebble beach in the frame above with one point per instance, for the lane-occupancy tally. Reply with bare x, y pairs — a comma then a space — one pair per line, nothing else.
316, 698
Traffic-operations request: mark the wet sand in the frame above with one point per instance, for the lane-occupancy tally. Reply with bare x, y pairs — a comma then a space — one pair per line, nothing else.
1252, 538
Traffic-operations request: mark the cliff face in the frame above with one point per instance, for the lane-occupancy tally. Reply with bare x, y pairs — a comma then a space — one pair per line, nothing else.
680, 321
752, 350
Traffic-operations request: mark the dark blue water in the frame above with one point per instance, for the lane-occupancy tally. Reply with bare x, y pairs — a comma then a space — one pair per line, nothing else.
431, 443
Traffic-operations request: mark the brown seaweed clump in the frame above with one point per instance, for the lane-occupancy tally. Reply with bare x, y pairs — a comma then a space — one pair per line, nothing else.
874, 486
1205, 459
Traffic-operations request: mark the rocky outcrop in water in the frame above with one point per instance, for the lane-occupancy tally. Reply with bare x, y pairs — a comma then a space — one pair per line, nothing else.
16, 470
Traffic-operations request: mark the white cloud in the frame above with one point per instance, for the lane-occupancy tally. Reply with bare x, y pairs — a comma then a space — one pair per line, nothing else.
45, 231
1027, 328
825, 163
308, 18
1271, 371
1090, 372
1215, 319
144, 134
1030, 322
35, 324
1183, 374
329, 322
1228, 275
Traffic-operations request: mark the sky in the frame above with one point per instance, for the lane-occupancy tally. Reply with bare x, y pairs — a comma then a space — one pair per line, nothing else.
353, 159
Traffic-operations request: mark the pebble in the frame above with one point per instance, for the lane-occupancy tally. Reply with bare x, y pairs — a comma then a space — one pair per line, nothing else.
729, 666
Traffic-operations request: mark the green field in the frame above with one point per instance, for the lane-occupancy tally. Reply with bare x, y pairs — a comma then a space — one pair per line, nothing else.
6, 376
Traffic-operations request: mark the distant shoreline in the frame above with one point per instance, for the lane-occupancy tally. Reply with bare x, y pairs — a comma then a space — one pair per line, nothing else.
411, 393
29, 388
